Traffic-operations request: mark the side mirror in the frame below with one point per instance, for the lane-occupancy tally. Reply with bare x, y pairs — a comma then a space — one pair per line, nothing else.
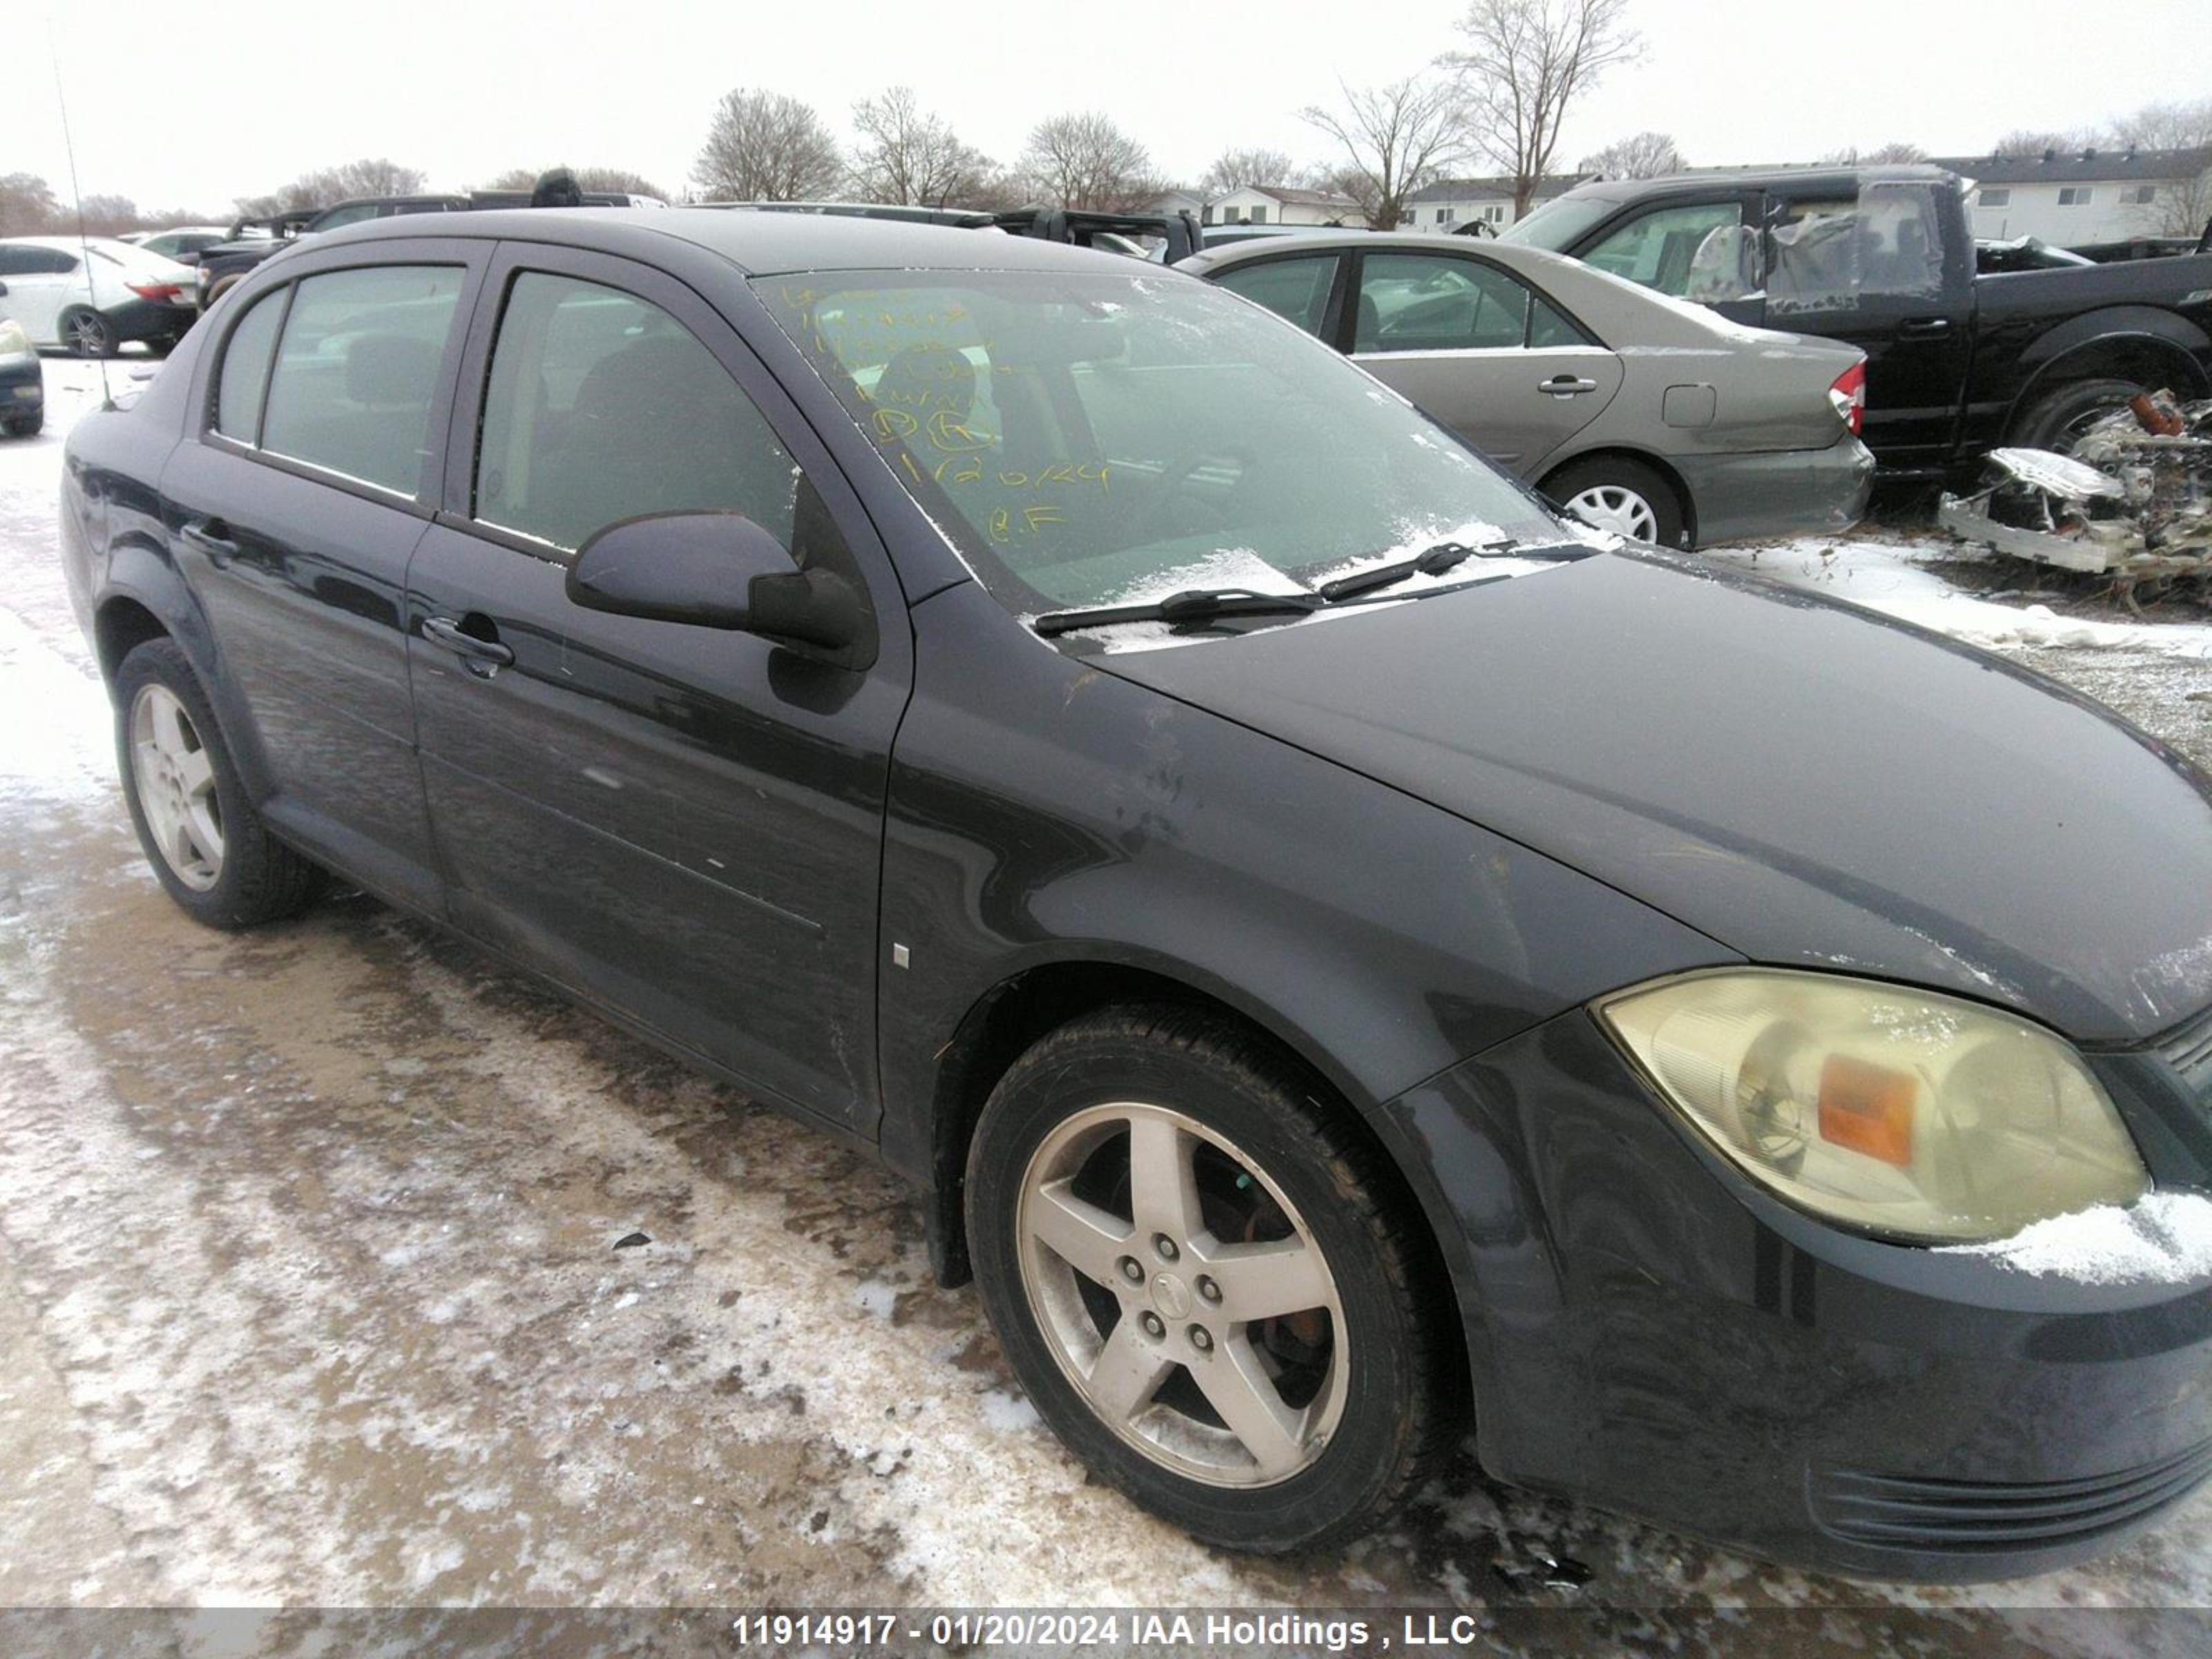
713, 570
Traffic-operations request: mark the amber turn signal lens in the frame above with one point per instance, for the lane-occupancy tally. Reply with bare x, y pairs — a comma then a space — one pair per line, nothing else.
1868, 1108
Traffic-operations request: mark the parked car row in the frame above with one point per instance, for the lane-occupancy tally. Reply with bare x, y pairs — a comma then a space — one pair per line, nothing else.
90, 294
1341, 952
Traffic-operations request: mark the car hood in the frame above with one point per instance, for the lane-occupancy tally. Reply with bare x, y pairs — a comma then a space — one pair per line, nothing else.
1804, 782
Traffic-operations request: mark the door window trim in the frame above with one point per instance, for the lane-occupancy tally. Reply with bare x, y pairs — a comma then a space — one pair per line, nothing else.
1348, 320
469, 256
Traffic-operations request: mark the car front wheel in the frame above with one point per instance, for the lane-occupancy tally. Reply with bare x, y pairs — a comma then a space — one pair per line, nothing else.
195, 820
1207, 1281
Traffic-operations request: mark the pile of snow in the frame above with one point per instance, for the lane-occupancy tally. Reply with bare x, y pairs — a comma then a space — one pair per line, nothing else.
2166, 1238
1908, 580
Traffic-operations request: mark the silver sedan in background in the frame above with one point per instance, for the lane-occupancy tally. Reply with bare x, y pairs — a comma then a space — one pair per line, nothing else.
1636, 412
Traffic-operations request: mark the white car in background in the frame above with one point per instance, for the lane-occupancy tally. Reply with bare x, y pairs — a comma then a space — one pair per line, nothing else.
90, 294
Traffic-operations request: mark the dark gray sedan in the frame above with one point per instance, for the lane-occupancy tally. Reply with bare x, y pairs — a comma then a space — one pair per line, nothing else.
1638, 413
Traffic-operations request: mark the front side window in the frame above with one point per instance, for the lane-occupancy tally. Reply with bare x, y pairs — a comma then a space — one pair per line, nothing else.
1084, 437
1434, 302
356, 372
601, 406
1659, 249
1294, 289
245, 368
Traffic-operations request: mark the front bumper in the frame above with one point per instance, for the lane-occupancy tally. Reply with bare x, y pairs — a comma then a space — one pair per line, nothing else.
1789, 492
1648, 1333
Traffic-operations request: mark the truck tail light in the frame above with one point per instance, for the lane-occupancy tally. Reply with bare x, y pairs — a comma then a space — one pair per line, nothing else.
1848, 397
164, 292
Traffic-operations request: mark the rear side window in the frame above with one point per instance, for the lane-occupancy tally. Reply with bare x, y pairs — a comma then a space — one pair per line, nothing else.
356, 371
1296, 289
245, 369
601, 407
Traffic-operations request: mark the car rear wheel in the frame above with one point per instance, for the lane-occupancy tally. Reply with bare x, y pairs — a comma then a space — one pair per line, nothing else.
1614, 492
1206, 1281
87, 333
2063, 419
200, 832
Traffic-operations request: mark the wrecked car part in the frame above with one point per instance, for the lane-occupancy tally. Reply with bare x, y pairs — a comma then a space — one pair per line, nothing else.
2133, 501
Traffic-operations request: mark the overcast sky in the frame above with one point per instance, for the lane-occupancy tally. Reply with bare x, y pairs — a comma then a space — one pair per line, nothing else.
191, 105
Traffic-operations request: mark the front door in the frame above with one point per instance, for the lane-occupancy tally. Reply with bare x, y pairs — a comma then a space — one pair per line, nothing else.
682, 822
295, 508
1479, 350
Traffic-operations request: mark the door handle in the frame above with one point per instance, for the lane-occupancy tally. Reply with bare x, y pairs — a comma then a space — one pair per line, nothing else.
212, 538
477, 653
1925, 328
1566, 386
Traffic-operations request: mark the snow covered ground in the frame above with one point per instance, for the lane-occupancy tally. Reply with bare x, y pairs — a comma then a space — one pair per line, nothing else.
309, 1296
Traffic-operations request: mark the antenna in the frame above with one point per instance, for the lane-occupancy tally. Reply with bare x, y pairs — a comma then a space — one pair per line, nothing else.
76, 200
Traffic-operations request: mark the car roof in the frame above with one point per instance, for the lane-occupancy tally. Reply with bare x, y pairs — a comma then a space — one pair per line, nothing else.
758, 244
1631, 189
1376, 242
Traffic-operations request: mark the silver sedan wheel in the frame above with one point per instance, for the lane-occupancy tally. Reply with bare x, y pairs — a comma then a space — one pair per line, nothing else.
173, 775
1618, 508
1182, 1294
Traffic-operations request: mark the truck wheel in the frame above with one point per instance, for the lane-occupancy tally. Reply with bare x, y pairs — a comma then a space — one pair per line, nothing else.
25, 425
1208, 1284
200, 832
2059, 421
1611, 492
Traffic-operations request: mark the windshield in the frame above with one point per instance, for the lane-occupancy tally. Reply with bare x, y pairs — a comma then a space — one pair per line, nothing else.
1556, 223
1086, 439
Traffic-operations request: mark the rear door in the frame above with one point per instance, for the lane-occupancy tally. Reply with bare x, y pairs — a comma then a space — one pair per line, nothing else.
1479, 349
682, 822
294, 511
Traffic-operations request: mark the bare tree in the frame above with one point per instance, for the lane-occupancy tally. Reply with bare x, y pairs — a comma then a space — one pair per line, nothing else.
908, 156
1892, 155
1085, 160
1233, 169
1395, 139
2167, 126
613, 180
1525, 63
26, 204
1646, 155
2033, 141
765, 147
371, 176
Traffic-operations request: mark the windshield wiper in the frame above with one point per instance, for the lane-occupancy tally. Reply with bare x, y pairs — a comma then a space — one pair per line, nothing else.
1434, 562
1192, 604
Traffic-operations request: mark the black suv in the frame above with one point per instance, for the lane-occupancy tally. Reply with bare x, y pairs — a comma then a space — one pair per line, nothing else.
1342, 953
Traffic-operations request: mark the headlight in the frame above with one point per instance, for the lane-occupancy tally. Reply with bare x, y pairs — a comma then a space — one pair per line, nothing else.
1897, 1112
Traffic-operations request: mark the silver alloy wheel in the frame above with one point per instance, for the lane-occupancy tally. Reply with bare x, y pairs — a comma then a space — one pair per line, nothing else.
1211, 1308
173, 776
1618, 508
87, 334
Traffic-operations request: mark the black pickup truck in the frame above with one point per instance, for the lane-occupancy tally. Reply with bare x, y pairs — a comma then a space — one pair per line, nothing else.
1958, 362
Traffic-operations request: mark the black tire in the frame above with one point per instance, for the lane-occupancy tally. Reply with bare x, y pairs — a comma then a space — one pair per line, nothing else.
2055, 420
1400, 1391
86, 333
27, 426
259, 878
1620, 472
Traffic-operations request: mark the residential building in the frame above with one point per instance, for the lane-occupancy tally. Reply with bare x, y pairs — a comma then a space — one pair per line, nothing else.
1450, 204
2071, 199
1281, 204
1173, 201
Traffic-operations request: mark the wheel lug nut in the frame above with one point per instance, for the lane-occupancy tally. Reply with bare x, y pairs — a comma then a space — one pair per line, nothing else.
1165, 1246
1133, 1270
1153, 1325
1200, 1339
1208, 1289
